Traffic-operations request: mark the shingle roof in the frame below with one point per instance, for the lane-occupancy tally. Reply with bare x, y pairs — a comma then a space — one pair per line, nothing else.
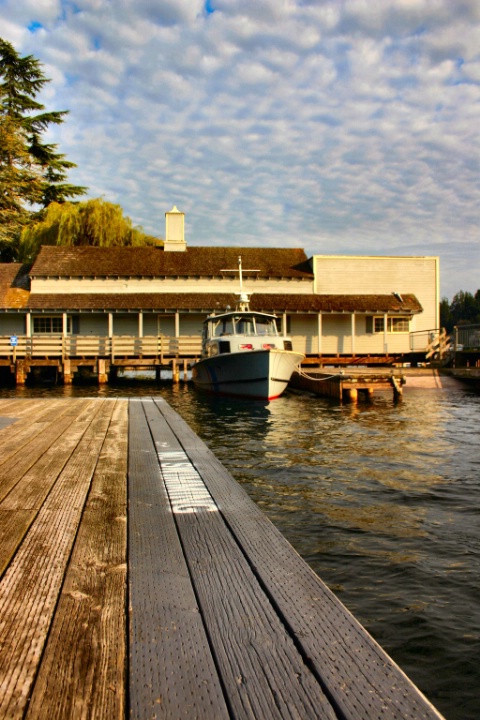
14, 285
208, 302
155, 262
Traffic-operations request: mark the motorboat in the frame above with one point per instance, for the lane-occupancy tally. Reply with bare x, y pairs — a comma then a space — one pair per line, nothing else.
244, 354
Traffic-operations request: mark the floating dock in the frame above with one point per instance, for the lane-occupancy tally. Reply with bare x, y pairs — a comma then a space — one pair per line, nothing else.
139, 580
347, 385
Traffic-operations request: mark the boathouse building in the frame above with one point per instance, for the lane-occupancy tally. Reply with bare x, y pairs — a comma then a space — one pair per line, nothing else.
149, 301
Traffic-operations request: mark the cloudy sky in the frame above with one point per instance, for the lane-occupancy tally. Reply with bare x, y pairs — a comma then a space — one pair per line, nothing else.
340, 126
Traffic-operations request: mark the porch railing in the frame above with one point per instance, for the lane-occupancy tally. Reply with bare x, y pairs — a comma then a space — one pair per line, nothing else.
437, 341
467, 337
90, 346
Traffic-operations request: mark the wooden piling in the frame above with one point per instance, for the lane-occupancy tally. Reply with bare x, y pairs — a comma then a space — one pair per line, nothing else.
175, 371
67, 372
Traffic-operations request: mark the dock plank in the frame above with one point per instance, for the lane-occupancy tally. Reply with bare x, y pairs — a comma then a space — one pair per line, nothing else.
20, 506
360, 679
84, 663
31, 585
20, 407
25, 425
262, 671
30, 443
172, 673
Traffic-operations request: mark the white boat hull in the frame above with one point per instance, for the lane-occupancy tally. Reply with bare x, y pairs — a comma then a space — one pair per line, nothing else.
261, 374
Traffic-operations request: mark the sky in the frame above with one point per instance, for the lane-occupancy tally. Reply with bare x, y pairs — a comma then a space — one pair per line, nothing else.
346, 127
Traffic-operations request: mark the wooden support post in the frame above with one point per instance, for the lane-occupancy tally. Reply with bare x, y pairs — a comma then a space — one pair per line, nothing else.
158, 371
21, 371
175, 372
67, 372
350, 395
185, 370
102, 372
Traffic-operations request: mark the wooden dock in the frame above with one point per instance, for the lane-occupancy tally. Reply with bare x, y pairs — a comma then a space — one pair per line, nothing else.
139, 580
348, 385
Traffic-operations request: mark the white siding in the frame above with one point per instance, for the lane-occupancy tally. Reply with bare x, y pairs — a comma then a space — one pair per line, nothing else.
191, 324
170, 285
96, 325
303, 331
344, 275
125, 324
12, 324
336, 334
374, 343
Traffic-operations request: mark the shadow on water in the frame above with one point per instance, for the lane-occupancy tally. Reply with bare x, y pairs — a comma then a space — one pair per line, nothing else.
382, 500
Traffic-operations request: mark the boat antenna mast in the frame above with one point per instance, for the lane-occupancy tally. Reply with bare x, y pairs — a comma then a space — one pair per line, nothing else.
243, 297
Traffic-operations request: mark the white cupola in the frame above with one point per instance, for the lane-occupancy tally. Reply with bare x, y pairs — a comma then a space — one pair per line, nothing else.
174, 231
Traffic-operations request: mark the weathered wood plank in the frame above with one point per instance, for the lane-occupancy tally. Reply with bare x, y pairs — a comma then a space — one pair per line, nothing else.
25, 415
29, 452
261, 669
30, 587
20, 451
360, 679
21, 503
83, 668
6, 421
172, 673
19, 407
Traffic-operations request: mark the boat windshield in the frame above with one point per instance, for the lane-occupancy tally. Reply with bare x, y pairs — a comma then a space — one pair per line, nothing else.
243, 325
266, 326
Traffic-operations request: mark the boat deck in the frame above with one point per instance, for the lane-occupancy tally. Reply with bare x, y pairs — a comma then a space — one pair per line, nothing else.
139, 580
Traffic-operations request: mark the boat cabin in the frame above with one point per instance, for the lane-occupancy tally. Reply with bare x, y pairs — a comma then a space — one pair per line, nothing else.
238, 332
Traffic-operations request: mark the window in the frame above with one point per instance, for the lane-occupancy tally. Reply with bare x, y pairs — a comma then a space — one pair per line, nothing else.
394, 324
50, 324
399, 324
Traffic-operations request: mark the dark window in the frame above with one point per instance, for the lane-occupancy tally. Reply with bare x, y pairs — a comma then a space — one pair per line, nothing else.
50, 324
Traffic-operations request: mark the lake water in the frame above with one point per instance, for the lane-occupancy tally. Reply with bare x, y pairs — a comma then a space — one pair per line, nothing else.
381, 499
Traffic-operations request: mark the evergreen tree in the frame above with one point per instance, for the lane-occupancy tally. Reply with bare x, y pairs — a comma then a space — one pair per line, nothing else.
93, 222
446, 320
32, 172
464, 308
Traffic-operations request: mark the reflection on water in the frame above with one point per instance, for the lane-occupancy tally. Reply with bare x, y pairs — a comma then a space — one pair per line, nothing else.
382, 500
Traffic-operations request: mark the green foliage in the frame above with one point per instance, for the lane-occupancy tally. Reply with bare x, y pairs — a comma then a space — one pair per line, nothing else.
31, 172
92, 222
463, 310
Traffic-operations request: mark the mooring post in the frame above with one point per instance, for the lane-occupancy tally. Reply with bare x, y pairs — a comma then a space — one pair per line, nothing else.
397, 388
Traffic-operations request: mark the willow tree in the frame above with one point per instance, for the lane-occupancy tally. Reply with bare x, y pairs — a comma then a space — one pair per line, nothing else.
32, 172
92, 222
